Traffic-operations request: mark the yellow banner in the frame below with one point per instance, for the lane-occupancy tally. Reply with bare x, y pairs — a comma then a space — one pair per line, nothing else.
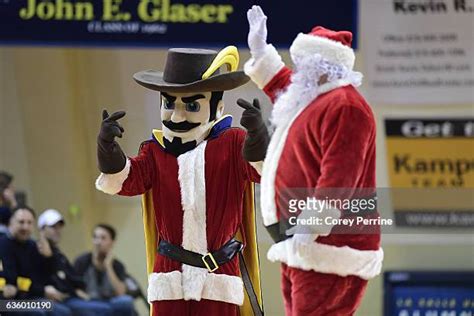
430, 166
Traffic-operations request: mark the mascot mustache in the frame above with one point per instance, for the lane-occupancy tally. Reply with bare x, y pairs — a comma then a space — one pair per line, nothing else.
180, 127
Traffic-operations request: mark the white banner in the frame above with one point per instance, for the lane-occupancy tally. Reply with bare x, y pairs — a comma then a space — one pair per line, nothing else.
418, 51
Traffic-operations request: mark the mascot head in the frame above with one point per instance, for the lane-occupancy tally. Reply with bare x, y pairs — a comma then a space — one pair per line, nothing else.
192, 88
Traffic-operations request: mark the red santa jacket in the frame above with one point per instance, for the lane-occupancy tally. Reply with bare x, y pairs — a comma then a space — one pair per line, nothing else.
330, 143
198, 200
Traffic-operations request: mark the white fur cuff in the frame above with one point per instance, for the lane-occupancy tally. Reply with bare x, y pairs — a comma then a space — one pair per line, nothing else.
262, 70
224, 288
322, 258
165, 286
217, 287
112, 183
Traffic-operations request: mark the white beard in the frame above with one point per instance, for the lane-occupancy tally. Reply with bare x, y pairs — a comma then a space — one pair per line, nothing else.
304, 87
301, 91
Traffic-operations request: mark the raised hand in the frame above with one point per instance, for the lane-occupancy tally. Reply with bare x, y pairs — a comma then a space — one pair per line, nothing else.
109, 260
256, 142
110, 128
9, 196
110, 156
252, 116
43, 246
257, 37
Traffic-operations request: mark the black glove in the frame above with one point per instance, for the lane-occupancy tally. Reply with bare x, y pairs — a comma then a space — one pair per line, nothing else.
110, 156
257, 139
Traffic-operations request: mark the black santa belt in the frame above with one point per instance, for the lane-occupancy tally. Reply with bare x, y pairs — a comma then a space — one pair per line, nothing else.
212, 261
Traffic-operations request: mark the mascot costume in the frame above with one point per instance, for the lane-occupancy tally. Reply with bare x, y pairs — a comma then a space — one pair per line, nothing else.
197, 188
324, 138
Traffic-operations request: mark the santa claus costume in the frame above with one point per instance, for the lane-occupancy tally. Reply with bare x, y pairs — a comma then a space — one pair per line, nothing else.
324, 138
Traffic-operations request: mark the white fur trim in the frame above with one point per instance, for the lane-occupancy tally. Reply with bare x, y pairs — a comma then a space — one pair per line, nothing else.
270, 166
318, 257
334, 85
262, 70
257, 165
224, 288
193, 199
112, 183
165, 286
191, 176
217, 287
333, 51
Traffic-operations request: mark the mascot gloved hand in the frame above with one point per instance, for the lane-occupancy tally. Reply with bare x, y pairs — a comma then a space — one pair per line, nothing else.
110, 156
257, 139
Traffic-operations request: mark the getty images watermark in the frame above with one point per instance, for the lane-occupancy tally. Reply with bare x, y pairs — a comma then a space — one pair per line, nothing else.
327, 211
375, 210
334, 210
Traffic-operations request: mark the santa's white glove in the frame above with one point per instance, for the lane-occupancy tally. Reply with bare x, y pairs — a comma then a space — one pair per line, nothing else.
301, 243
257, 38
304, 238
307, 234
302, 234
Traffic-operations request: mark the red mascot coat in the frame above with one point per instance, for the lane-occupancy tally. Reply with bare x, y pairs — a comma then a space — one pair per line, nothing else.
197, 202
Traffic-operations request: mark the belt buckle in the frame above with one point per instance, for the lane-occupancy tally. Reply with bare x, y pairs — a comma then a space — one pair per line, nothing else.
209, 255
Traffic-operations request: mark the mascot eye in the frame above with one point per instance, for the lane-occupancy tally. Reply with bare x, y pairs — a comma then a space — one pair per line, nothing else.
193, 106
167, 104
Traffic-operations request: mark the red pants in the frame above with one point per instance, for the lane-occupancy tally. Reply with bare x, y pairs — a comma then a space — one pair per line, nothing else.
194, 308
309, 293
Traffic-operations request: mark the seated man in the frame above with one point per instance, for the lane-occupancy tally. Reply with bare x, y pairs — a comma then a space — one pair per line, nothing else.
103, 274
63, 276
23, 268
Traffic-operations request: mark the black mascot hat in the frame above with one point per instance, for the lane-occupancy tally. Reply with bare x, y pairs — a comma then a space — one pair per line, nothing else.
195, 70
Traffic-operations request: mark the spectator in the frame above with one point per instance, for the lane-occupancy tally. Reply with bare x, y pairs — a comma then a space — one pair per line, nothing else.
63, 276
104, 275
7, 200
27, 264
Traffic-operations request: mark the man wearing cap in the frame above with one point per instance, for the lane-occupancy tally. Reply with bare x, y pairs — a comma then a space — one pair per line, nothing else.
198, 192
324, 139
26, 264
63, 277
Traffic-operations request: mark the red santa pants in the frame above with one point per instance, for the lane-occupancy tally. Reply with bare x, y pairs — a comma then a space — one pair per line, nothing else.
194, 308
309, 293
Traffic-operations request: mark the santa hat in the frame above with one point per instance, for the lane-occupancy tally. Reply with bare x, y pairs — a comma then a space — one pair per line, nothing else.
331, 45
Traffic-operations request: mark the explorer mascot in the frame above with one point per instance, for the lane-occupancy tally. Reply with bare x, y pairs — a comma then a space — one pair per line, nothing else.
324, 139
197, 187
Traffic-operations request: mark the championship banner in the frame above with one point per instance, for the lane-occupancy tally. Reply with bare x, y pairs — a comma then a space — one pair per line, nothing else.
418, 51
162, 23
430, 166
